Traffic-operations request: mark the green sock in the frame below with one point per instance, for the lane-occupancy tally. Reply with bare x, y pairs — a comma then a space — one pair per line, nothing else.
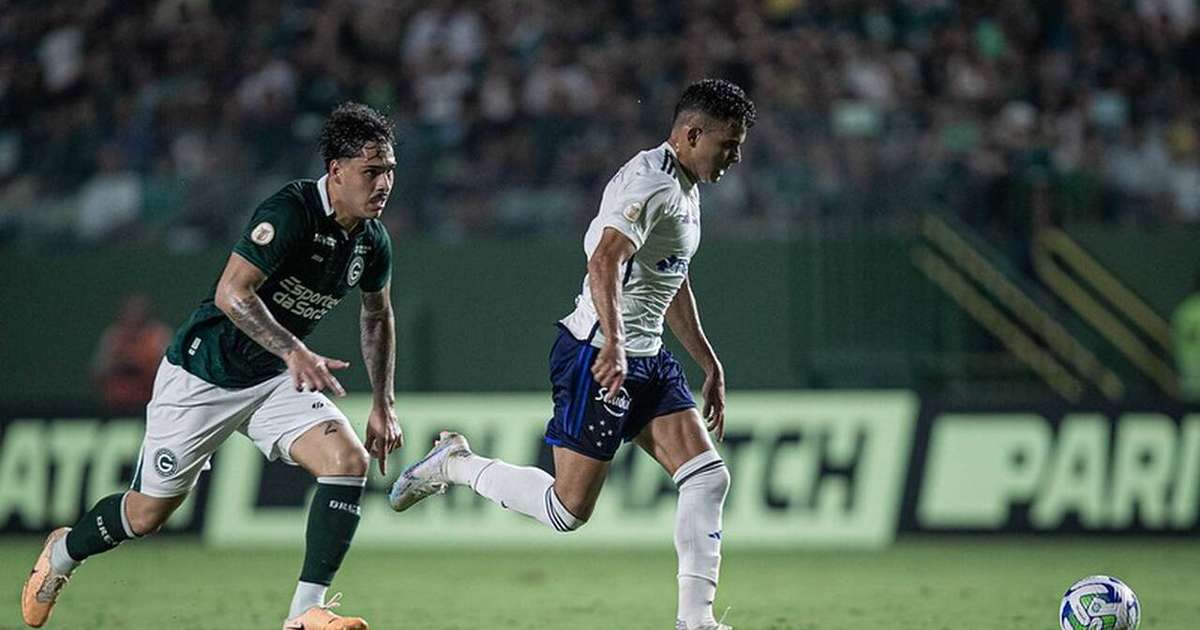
332, 519
101, 529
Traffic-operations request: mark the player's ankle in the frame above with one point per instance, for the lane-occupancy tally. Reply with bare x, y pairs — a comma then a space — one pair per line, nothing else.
60, 561
464, 469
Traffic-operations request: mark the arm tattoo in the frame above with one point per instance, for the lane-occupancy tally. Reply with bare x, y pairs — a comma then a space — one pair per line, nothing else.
251, 316
378, 341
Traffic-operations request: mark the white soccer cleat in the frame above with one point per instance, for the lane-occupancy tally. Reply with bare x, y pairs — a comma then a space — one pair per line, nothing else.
718, 625
428, 477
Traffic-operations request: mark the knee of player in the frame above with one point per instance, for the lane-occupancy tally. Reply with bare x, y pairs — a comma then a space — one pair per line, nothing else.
350, 462
713, 479
146, 518
723, 480
147, 527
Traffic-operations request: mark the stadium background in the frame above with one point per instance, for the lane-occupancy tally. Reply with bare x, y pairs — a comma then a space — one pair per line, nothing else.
942, 283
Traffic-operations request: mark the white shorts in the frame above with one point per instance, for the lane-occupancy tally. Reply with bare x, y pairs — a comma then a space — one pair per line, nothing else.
188, 418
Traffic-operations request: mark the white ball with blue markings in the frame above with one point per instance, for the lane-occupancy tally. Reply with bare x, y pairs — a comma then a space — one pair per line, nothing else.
1099, 602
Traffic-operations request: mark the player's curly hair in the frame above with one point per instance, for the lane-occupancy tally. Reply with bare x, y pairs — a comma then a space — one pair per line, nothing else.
720, 99
351, 127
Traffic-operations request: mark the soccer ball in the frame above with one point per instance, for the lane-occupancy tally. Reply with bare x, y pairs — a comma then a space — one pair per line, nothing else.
1099, 602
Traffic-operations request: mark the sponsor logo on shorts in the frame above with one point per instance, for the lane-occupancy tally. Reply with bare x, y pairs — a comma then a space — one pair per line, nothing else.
165, 462
355, 271
619, 405
263, 233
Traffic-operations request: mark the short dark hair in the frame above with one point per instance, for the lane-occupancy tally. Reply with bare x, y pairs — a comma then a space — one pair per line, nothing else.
717, 98
351, 127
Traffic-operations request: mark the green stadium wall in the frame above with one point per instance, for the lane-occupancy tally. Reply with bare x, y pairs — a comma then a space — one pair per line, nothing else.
478, 316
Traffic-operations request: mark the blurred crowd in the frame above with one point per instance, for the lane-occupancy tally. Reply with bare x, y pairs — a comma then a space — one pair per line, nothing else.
165, 121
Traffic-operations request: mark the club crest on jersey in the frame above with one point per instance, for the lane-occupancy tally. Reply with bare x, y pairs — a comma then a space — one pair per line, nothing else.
618, 405
165, 462
263, 233
355, 271
632, 213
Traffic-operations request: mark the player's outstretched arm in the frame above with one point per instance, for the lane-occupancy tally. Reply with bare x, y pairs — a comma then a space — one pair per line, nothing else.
236, 298
604, 278
684, 320
377, 327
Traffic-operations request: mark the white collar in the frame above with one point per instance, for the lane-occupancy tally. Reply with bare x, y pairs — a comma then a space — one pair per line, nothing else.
321, 183
685, 182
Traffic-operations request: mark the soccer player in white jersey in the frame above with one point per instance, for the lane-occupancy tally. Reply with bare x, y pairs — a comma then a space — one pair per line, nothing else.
613, 380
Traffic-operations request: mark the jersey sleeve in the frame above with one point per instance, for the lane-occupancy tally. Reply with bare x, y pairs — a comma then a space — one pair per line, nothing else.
633, 206
275, 229
379, 269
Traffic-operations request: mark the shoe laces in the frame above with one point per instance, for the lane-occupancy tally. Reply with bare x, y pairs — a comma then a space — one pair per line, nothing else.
333, 602
51, 586
721, 622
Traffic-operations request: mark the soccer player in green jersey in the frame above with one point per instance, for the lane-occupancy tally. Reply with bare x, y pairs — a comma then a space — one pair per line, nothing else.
239, 363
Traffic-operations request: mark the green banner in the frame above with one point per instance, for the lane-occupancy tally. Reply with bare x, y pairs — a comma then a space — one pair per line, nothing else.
1086, 471
53, 469
807, 469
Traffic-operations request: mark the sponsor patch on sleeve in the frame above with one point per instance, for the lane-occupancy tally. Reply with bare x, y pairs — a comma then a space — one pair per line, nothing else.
263, 233
632, 213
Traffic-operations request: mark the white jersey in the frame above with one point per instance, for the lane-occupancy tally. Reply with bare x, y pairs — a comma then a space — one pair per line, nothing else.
651, 201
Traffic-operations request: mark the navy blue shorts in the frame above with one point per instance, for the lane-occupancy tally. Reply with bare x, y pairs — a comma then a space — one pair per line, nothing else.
583, 422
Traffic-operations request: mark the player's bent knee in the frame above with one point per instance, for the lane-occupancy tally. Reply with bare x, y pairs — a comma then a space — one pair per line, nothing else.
146, 515
706, 475
350, 462
723, 481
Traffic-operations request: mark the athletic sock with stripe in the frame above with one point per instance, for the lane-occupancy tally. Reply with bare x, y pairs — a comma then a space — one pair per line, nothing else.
703, 482
523, 489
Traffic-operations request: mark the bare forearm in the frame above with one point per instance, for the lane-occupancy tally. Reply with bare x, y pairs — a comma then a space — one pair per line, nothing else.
683, 318
606, 296
250, 315
378, 340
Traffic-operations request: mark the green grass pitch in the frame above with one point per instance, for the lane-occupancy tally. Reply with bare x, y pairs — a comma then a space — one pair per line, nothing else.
918, 584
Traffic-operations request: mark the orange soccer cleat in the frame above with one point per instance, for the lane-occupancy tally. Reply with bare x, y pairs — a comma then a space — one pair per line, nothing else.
43, 585
321, 618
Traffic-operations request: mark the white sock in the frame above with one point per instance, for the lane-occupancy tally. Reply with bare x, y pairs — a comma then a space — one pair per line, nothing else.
524, 489
464, 469
703, 482
60, 560
307, 595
